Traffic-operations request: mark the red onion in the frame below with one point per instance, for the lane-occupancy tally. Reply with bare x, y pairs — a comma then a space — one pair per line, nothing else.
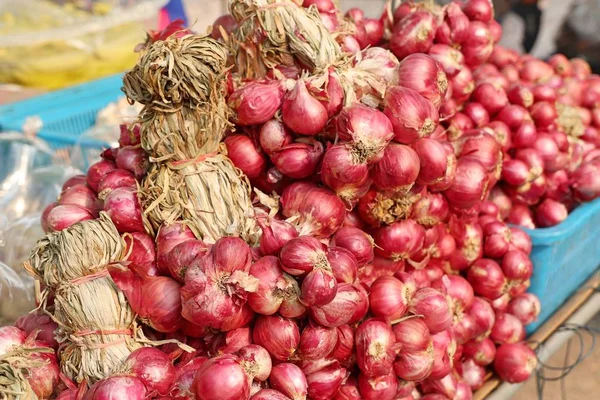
118, 387
398, 169
216, 290
63, 216
350, 303
478, 114
343, 350
451, 59
482, 351
469, 243
289, 380
431, 209
493, 99
458, 125
355, 240
388, 298
487, 278
230, 342
454, 29
462, 85
275, 233
244, 155
521, 215
141, 256
325, 383
319, 211
370, 130
273, 136
299, 159
470, 184
44, 216
97, 171
154, 298
129, 135
450, 174
483, 315
74, 180
412, 334
497, 240
38, 322
458, 289
435, 308
256, 102
550, 212
481, 146
507, 329
444, 347
413, 34
514, 362
479, 10
424, 75
123, 207
342, 166
400, 240
153, 368
544, 93
375, 348
473, 374
374, 31
280, 336
317, 342
561, 64
525, 307
225, 22
520, 240
412, 116
319, 287
433, 160
517, 265
269, 394
256, 361
291, 307
81, 195
343, 263
11, 336
322, 5
113, 180
379, 388
221, 378
479, 44
268, 297
515, 172
379, 63
301, 112
302, 254
167, 238
133, 159
521, 96
414, 365
586, 181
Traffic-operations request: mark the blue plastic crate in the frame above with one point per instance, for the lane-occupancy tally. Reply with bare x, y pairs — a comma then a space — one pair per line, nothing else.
564, 257
65, 113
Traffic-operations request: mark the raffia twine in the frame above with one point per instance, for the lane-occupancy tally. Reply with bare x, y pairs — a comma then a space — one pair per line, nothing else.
209, 193
176, 71
96, 324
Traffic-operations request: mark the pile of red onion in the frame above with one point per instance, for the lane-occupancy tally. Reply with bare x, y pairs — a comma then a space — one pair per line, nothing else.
391, 267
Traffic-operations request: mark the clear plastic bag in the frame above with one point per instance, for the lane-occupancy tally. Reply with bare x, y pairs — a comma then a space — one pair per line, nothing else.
17, 294
41, 187
17, 238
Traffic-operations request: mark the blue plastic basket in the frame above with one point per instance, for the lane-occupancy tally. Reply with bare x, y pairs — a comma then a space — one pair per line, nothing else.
65, 113
564, 257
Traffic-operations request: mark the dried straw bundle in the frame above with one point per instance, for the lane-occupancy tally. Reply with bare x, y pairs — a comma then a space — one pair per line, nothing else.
176, 71
279, 32
13, 383
209, 193
96, 323
184, 134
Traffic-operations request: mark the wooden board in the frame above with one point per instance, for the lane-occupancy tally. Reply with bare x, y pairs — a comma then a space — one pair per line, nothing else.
547, 329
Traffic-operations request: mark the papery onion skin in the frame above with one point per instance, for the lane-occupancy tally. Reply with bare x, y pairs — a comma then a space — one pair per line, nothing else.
256, 102
325, 383
435, 308
153, 367
379, 388
412, 116
266, 300
319, 287
289, 380
117, 387
273, 136
257, 361
375, 348
269, 394
280, 336
301, 112
514, 362
221, 378
472, 373
388, 298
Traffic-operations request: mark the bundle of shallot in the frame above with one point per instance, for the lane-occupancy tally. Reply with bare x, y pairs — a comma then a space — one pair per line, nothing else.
94, 319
